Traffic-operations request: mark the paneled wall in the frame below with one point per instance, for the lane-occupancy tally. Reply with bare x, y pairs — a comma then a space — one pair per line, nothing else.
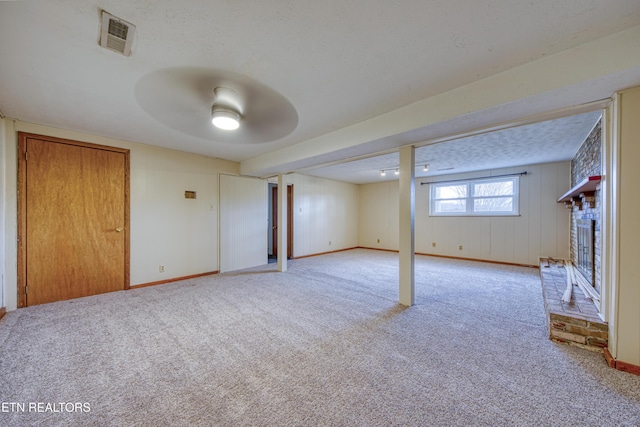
379, 213
542, 229
325, 216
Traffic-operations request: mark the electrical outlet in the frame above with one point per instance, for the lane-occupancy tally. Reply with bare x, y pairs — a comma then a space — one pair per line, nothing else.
161, 268
433, 244
378, 240
329, 242
460, 247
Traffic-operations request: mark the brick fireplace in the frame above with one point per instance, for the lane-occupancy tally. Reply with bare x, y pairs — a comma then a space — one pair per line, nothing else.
585, 220
577, 322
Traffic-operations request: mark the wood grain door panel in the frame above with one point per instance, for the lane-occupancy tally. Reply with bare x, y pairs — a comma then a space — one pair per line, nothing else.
75, 219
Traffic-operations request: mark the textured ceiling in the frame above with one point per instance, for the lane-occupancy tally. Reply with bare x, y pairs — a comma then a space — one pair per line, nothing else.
543, 142
337, 63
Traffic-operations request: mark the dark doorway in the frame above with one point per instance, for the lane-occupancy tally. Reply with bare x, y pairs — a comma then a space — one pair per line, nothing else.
273, 255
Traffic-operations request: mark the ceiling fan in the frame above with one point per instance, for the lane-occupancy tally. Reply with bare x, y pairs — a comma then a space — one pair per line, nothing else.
190, 99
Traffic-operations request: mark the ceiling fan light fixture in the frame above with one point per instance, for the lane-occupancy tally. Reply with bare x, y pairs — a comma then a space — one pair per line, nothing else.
225, 118
225, 112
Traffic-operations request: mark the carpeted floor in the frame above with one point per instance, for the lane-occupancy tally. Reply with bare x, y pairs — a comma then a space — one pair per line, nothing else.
323, 344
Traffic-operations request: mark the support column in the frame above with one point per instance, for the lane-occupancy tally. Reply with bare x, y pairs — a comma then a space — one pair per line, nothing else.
406, 221
609, 216
282, 223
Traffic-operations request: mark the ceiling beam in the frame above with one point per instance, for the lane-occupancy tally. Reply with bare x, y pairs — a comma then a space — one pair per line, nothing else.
583, 74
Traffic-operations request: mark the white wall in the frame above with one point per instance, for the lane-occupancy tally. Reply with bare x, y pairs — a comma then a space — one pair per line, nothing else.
542, 229
165, 228
325, 216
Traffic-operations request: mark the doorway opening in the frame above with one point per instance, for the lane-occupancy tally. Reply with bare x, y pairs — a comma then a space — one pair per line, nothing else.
273, 223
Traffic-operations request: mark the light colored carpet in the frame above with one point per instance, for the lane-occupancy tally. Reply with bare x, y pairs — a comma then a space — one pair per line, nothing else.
324, 344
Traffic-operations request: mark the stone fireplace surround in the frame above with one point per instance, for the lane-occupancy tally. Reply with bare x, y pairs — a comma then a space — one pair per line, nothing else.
588, 162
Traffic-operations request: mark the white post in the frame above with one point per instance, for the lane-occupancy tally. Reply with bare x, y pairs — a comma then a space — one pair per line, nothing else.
282, 223
406, 234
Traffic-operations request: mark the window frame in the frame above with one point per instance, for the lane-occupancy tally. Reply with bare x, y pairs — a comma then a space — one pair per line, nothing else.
471, 197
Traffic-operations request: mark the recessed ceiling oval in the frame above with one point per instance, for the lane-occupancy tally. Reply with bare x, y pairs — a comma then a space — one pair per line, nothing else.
183, 98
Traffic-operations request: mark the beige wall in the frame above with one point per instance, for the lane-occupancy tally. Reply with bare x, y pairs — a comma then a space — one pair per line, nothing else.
626, 304
3, 180
165, 227
542, 229
9, 232
325, 216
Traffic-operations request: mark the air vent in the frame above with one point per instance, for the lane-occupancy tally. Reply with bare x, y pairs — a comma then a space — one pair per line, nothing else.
116, 34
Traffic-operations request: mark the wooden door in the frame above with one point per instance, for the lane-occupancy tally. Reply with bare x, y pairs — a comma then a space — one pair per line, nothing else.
73, 218
274, 220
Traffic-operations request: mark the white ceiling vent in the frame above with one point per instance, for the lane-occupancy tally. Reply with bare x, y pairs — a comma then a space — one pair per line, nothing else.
116, 34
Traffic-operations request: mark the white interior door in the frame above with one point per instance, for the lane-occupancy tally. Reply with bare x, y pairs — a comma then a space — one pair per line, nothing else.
243, 222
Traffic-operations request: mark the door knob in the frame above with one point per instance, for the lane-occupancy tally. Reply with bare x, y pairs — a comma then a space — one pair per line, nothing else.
119, 229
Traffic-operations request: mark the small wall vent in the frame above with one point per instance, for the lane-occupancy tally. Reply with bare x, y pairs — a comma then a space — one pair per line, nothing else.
116, 34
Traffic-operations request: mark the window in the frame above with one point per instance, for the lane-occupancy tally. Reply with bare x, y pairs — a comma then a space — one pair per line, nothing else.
489, 197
